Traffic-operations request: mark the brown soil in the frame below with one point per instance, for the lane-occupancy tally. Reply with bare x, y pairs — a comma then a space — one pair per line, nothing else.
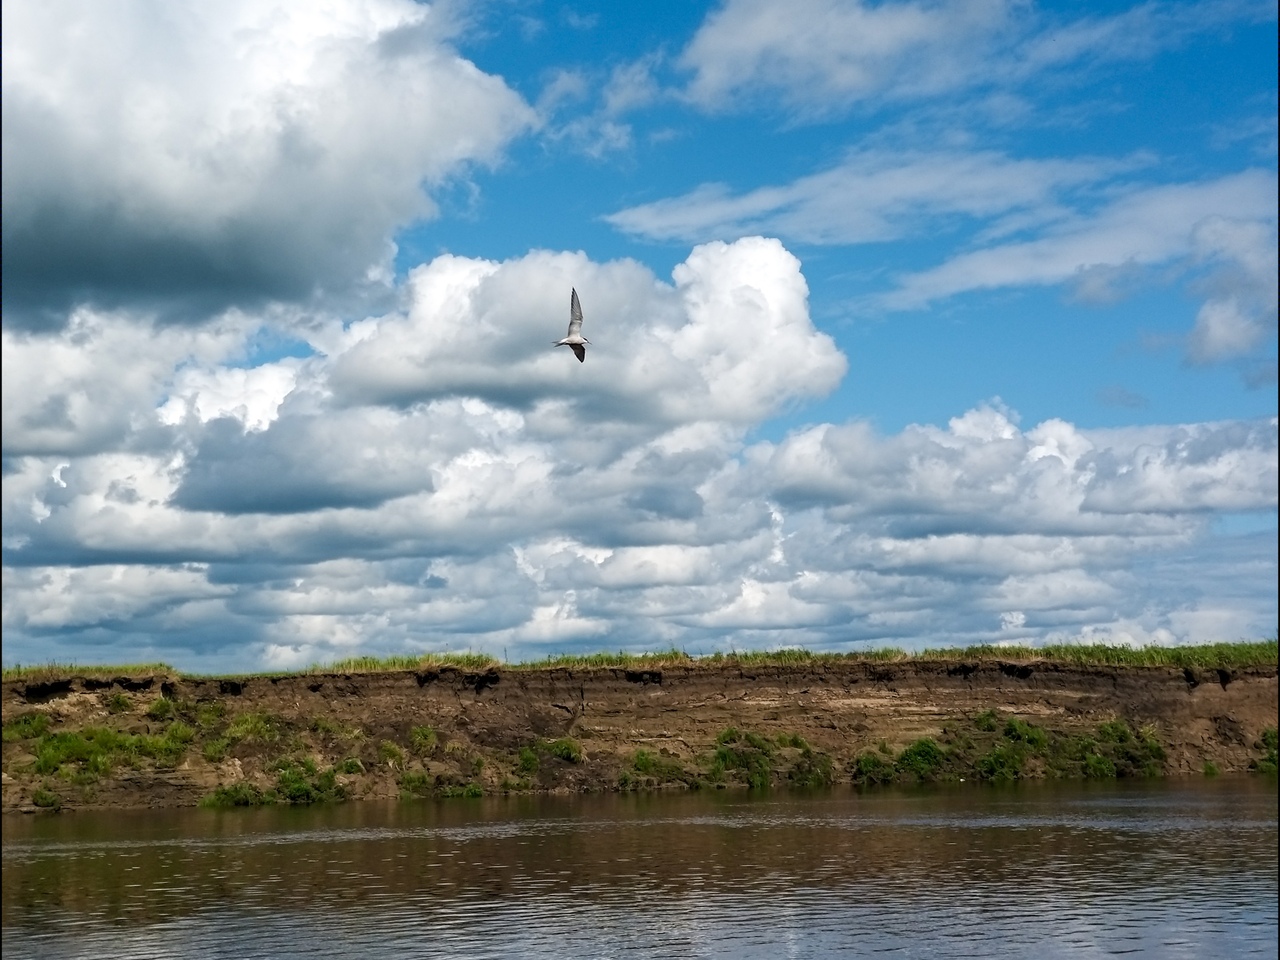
484, 719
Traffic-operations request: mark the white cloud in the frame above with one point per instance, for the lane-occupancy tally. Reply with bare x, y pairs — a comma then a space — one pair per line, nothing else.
730, 342
816, 54
441, 477
230, 153
1241, 311
92, 386
252, 396
1147, 226
873, 196
60, 597
1040, 223
983, 474
816, 57
1012, 620
1229, 466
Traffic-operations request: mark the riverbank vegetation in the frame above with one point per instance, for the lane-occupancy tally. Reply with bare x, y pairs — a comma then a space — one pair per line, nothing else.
987, 747
463, 726
1224, 656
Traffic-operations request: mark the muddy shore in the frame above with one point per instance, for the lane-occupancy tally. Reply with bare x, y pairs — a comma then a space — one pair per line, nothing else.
161, 740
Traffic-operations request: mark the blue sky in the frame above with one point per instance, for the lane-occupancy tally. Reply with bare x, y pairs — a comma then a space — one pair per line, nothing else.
912, 324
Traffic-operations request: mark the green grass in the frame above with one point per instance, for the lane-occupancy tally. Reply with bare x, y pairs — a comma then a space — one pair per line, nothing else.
872, 768
1002, 764
424, 785
423, 740
1003, 753
1027, 733
26, 727
298, 781
37, 673
743, 755
922, 760
1098, 767
255, 727
606, 660
986, 721
391, 754
465, 790
1114, 731
527, 762
238, 795
649, 769
644, 761
566, 748
215, 750
209, 715
46, 799
1267, 743
1229, 656
417, 784
813, 769
87, 754
1202, 656
327, 727
465, 661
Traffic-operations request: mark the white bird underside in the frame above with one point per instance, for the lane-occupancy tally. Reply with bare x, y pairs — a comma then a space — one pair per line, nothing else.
575, 340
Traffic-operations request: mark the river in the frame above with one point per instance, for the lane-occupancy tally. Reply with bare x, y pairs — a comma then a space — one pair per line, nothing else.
1176, 868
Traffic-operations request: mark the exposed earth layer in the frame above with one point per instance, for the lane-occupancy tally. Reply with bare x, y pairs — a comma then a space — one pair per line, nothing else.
169, 740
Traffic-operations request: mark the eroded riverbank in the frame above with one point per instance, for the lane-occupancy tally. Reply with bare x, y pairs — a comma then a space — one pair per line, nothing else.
168, 740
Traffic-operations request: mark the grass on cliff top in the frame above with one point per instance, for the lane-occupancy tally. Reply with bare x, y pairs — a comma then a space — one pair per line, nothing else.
463, 661
1209, 656
60, 671
1204, 656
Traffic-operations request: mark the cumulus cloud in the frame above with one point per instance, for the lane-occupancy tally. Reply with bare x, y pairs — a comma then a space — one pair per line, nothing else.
83, 389
984, 475
731, 341
227, 155
439, 477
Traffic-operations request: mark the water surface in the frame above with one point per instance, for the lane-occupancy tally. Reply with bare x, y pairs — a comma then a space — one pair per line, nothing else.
1153, 869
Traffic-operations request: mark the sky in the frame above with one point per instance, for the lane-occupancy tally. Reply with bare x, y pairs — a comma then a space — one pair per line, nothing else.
912, 324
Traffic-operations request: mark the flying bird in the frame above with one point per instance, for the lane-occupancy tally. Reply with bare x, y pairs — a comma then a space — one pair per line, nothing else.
575, 339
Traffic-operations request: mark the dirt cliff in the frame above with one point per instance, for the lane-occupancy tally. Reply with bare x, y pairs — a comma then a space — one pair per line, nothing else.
170, 740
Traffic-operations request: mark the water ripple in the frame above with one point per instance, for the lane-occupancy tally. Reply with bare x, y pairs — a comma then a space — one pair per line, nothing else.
1154, 871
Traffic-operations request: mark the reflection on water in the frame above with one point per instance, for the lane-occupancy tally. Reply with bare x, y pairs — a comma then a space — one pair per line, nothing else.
1050, 870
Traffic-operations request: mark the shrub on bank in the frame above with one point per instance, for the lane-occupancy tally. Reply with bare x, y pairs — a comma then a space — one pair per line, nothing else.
1267, 762
566, 748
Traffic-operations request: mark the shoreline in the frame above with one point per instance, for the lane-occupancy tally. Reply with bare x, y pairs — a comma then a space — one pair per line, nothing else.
94, 740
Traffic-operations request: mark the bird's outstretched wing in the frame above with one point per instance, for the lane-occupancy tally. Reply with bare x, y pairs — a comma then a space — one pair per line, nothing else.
575, 315
579, 351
